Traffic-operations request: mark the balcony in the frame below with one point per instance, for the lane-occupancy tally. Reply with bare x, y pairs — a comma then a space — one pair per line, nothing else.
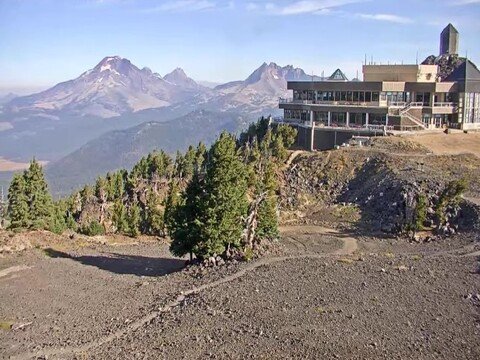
282, 101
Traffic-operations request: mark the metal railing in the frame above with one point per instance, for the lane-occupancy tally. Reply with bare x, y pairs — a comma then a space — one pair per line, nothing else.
321, 102
399, 104
444, 104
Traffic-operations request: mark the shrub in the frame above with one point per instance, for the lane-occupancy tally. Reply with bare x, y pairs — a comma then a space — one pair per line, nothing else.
92, 229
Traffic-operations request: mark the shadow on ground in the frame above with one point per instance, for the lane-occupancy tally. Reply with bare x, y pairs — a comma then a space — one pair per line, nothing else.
124, 264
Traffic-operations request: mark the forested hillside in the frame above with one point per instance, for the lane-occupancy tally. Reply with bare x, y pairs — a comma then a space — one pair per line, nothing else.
210, 201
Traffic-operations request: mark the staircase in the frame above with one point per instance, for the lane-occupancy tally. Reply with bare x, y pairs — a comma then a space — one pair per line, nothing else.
405, 114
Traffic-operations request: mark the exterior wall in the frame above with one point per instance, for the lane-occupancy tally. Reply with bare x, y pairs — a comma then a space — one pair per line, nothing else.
405, 73
449, 41
326, 139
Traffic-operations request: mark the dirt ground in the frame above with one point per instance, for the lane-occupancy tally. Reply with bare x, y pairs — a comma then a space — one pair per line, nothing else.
449, 144
321, 294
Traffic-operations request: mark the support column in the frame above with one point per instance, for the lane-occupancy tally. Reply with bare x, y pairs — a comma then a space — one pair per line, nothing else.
312, 118
312, 137
367, 116
386, 120
348, 119
329, 119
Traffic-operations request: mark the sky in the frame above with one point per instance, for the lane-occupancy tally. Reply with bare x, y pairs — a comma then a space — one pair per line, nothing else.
43, 42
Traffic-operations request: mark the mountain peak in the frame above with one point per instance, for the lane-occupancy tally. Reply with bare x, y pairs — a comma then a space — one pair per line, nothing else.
114, 64
179, 77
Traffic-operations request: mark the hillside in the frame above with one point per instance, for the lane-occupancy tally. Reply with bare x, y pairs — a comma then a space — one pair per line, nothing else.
122, 148
335, 264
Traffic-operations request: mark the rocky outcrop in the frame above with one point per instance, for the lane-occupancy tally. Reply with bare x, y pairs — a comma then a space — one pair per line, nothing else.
385, 188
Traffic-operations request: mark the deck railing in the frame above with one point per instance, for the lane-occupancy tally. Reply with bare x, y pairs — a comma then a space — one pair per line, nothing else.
321, 102
444, 104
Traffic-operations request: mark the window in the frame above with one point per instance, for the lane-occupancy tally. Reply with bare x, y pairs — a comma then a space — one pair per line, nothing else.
355, 96
362, 96
337, 95
368, 96
375, 96
349, 96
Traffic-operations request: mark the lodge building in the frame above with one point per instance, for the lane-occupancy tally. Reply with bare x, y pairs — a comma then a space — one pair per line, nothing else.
392, 97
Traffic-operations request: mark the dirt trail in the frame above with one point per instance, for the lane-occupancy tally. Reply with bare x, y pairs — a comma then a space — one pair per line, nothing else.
13, 269
349, 246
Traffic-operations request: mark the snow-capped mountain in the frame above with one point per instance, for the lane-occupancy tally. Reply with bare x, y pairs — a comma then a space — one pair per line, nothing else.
117, 95
113, 87
263, 87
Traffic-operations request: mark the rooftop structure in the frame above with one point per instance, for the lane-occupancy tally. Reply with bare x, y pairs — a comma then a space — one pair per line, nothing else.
390, 97
449, 39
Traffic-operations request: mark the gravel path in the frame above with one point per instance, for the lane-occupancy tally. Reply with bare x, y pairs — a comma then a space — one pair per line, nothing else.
328, 296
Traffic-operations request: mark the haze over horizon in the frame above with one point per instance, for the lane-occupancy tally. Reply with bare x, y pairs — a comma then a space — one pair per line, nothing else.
45, 42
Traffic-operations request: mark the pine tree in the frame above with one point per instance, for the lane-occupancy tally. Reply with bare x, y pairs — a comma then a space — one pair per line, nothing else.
267, 213
40, 201
225, 202
200, 156
133, 220
183, 217
119, 217
190, 160
17, 209
154, 223
57, 224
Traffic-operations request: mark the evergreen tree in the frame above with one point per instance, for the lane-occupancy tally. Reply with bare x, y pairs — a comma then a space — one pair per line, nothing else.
39, 199
267, 212
133, 220
17, 210
154, 223
119, 217
225, 203
57, 224
190, 161
200, 156
182, 217
179, 165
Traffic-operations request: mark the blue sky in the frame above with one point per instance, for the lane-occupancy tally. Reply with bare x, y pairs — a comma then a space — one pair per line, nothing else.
43, 42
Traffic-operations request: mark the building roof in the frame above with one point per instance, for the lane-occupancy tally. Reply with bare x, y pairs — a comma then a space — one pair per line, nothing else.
450, 28
338, 75
466, 71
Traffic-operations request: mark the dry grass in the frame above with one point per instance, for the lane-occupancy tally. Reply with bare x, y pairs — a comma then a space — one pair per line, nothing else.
449, 144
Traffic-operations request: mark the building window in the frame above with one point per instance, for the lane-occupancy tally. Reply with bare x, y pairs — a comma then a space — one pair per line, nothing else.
375, 96
338, 119
320, 117
368, 96
377, 119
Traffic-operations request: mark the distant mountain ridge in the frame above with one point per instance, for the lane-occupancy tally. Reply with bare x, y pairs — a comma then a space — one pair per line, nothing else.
113, 87
113, 114
122, 148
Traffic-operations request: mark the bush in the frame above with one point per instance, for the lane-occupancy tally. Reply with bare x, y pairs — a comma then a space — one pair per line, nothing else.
94, 228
